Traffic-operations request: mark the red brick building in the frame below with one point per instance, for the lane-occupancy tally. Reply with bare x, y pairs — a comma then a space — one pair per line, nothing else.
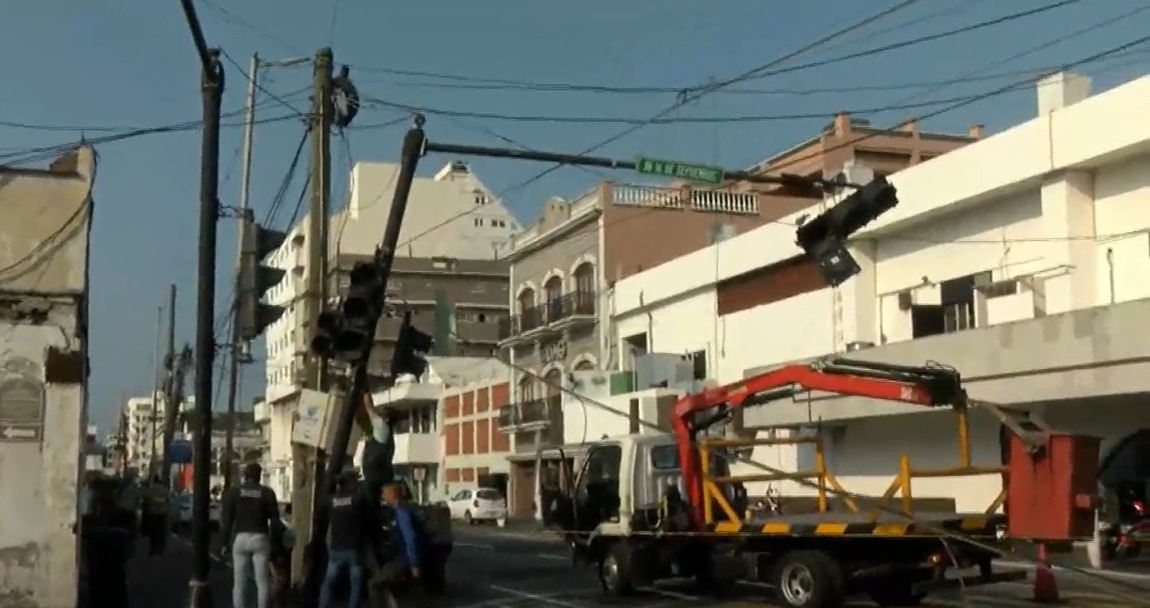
472, 444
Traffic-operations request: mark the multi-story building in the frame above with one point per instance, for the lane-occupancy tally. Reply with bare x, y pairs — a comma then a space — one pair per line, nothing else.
473, 448
143, 426
564, 267
461, 303
1020, 260
453, 231
444, 424
452, 224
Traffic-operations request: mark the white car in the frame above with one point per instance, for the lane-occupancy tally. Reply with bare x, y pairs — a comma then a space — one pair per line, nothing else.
476, 505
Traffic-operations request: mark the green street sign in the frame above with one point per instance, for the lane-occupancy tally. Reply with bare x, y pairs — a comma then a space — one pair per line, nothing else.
670, 168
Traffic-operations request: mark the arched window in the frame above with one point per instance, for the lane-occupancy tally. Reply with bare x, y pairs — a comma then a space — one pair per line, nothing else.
553, 289
526, 300
584, 365
526, 388
553, 382
585, 278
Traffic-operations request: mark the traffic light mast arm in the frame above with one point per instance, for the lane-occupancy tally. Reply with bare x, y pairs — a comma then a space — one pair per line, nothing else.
580, 160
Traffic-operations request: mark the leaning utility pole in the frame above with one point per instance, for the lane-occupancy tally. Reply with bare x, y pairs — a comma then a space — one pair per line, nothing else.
157, 365
240, 351
212, 88
307, 463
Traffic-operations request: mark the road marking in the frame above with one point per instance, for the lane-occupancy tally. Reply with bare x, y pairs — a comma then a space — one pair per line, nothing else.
675, 595
1101, 573
535, 597
552, 556
475, 546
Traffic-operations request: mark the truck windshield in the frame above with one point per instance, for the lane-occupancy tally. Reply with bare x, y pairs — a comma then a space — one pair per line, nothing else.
666, 458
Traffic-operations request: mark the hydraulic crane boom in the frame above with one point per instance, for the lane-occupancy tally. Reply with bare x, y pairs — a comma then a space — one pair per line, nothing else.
928, 385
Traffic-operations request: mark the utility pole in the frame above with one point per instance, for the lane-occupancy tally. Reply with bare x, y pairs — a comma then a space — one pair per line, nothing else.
307, 464
240, 351
181, 364
212, 89
169, 368
157, 365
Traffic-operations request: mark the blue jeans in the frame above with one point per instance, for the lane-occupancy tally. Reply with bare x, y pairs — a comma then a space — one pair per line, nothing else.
336, 562
251, 551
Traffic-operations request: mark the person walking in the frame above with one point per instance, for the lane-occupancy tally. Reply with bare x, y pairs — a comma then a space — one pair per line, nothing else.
348, 538
156, 515
249, 512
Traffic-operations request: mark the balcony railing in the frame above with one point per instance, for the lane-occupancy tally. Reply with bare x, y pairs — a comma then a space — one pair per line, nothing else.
566, 306
536, 411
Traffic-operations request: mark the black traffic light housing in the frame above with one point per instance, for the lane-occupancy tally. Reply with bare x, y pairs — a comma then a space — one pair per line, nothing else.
410, 346
255, 278
824, 237
348, 332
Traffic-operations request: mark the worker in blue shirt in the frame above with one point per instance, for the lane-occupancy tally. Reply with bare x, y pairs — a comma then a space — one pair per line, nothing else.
401, 559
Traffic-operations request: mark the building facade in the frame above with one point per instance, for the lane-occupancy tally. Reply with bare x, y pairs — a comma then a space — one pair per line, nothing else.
1018, 260
453, 232
43, 375
565, 267
143, 429
473, 447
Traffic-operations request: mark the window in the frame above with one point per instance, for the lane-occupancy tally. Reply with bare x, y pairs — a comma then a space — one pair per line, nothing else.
585, 278
665, 458
526, 389
699, 364
488, 494
478, 287
478, 221
526, 300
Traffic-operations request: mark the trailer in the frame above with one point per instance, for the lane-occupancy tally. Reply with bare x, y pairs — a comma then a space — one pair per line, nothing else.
647, 507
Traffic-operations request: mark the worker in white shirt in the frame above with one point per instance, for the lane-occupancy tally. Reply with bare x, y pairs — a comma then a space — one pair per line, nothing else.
378, 448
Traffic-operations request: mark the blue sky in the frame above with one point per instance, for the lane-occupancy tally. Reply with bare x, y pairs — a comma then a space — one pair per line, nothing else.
131, 63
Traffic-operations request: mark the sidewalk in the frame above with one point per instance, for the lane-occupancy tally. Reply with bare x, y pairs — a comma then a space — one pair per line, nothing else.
163, 580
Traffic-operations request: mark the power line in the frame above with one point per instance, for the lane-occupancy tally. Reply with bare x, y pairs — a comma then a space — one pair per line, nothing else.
763, 72
252, 78
612, 120
684, 100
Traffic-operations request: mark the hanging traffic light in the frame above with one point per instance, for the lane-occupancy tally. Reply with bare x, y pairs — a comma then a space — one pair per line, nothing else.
348, 332
824, 237
255, 278
410, 346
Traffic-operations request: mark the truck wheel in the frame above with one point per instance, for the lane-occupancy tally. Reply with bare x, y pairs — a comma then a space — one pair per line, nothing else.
615, 573
809, 579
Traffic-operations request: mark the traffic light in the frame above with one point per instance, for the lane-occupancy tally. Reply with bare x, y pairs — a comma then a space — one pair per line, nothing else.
347, 333
255, 278
410, 346
824, 237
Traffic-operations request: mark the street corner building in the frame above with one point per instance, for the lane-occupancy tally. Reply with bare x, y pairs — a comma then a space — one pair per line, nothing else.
45, 215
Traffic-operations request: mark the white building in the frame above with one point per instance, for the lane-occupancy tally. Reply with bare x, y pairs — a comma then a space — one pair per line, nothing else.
441, 220
1021, 260
143, 441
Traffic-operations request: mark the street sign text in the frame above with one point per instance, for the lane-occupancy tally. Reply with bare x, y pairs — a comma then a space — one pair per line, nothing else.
670, 168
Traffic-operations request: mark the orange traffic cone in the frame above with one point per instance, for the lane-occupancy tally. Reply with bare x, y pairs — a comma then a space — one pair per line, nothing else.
1045, 585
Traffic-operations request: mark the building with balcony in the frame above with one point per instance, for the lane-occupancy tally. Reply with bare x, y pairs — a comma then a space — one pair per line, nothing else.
564, 267
1019, 260
463, 304
452, 226
143, 422
443, 423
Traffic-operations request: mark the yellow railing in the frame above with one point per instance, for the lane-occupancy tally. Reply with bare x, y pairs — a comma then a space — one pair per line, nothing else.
825, 482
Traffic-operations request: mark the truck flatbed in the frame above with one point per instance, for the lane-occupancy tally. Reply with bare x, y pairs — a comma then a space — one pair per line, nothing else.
925, 524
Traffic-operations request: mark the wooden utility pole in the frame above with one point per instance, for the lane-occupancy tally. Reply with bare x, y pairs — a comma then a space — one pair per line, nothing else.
307, 463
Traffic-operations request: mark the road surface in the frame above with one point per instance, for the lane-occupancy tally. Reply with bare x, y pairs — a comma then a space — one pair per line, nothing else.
492, 568
163, 580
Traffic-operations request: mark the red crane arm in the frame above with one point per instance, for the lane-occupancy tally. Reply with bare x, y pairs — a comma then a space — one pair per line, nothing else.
929, 385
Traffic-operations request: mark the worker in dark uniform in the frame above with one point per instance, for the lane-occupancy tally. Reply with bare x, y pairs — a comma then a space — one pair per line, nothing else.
402, 557
347, 539
250, 510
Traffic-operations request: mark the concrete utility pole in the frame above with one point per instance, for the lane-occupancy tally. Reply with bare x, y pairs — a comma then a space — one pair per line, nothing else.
240, 352
308, 464
157, 365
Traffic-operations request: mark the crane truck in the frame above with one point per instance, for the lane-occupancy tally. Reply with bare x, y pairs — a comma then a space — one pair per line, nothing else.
647, 507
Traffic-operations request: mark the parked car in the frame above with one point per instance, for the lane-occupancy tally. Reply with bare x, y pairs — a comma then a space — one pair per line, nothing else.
478, 505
